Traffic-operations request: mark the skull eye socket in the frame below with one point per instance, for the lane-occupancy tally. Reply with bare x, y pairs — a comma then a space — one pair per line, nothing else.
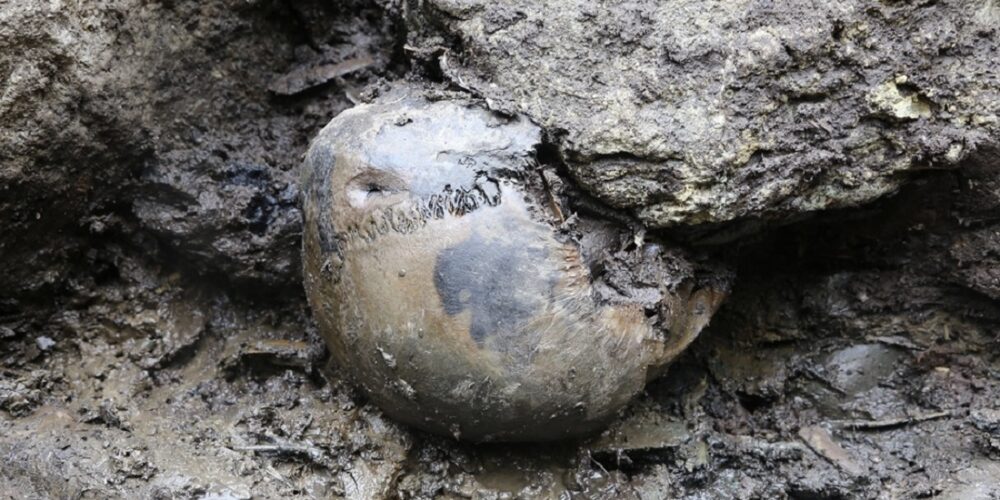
373, 186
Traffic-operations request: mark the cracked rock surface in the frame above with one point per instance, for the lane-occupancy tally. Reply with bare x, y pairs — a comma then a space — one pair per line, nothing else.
698, 112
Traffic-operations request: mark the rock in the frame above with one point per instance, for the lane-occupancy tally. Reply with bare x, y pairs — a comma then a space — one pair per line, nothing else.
238, 221
45, 343
221, 192
458, 286
269, 355
976, 480
692, 112
972, 254
65, 144
118, 125
820, 440
987, 420
7, 333
645, 436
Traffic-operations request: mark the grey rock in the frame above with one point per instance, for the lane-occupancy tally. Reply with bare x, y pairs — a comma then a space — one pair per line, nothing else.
126, 118
702, 112
45, 343
65, 143
219, 192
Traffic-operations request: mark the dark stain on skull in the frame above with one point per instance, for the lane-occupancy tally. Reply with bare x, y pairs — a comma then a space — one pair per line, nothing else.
503, 284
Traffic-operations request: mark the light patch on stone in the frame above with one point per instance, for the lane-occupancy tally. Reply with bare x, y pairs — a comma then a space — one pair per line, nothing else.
954, 153
889, 100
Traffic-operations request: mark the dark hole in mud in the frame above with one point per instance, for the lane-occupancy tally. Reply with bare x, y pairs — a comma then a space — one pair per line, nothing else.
258, 213
753, 403
548, 153
251, 175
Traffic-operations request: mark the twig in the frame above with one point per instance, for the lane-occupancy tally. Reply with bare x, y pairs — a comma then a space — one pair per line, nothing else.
277, 475
312, 453
308, 76
895, 341
820, 440
821, 379
890, 423
601, 466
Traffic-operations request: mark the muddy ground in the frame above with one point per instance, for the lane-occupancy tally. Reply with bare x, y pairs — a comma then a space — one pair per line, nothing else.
155, 341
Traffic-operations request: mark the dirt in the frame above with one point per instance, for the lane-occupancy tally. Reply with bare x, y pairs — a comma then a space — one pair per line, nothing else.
155, 341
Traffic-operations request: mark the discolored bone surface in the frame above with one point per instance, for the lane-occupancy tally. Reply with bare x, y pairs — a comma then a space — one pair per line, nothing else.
446, 281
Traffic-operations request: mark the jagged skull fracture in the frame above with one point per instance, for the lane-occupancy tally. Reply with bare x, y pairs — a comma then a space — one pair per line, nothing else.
458, 287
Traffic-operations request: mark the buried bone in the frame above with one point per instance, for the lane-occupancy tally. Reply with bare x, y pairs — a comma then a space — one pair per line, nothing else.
464, 293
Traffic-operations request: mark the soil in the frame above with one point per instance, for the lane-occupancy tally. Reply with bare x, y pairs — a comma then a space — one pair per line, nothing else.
155, 341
